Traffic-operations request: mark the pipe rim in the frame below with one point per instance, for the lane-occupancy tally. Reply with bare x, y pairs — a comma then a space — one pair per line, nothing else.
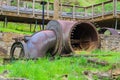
92, 26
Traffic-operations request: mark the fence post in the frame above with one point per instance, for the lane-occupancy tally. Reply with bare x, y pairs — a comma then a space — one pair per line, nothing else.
24, 4
1, 6
36, 22
48, 5
73, 14
92, 11
56, 9
61, 10
85, 14
33, 6
8, 2
30, 27
103, 9
18, 7
5, 22
115, 8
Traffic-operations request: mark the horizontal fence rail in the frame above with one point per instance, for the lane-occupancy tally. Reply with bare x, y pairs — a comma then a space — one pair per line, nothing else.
34, 9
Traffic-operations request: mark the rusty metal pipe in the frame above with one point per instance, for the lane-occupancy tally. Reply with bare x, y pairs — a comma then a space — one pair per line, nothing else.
61, 37
75, 36
83, 36
111, 30
40, 43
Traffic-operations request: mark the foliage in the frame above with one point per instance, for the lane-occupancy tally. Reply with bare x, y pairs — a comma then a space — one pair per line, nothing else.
82, 2
18, 28
73, 67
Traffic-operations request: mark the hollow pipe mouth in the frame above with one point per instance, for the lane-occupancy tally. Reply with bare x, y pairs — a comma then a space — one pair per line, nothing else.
83, 37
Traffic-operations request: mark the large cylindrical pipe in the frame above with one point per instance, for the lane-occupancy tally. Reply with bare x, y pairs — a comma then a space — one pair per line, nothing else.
111, 31
75, 36
62, 37
83, 36
40, 43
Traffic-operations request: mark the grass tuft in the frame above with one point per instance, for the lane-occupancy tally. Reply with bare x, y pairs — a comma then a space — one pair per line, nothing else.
72, 67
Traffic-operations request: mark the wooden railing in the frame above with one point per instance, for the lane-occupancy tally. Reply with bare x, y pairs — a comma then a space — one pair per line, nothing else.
71, 11
33, 8
102, 9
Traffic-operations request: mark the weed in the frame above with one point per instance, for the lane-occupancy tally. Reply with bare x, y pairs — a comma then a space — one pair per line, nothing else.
57, 69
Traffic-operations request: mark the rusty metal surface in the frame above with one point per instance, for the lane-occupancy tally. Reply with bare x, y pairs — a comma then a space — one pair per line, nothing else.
72, 32
36, 45
86, 35
60, 37
20, 43
56, 27
62, 29
40, 43
112, 31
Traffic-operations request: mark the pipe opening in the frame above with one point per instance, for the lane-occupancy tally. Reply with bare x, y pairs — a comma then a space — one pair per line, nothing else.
83, 37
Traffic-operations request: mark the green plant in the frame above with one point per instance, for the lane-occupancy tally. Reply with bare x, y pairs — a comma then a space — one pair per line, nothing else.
72, 67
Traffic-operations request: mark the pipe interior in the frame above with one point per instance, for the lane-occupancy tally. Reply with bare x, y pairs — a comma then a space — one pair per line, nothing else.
83, 37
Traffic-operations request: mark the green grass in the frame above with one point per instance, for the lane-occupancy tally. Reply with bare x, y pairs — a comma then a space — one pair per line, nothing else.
44, 69
14, 31
18, 28
114, 58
